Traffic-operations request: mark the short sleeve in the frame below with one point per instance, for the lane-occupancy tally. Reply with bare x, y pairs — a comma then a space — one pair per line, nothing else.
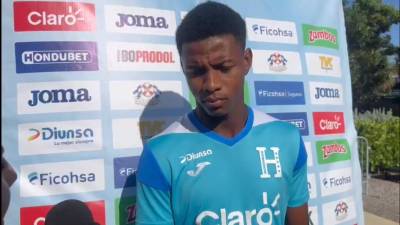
298, 185
153, 193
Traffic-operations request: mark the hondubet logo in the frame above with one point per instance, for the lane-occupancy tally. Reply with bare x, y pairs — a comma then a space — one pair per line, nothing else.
55, 56
54, 16
299, 119
147, 93
277, 62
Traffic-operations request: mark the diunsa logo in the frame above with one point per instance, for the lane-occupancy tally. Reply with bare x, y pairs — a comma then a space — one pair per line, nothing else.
196, 155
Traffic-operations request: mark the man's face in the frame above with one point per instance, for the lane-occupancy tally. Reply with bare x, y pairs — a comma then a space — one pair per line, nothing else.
215, 68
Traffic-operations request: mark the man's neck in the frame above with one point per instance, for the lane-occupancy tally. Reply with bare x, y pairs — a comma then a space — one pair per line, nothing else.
227, 126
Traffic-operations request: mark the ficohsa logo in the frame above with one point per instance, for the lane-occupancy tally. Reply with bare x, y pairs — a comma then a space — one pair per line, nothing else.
59, 137
336, 181
140, 20
271, 31
54, 16
62, 178
65, 96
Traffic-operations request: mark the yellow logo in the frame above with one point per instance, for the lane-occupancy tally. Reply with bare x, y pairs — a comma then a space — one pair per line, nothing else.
326, 62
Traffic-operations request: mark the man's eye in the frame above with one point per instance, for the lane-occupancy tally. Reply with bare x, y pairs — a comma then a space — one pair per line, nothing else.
196, 71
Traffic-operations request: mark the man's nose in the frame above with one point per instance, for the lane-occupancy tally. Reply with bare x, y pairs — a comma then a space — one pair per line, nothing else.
212, 80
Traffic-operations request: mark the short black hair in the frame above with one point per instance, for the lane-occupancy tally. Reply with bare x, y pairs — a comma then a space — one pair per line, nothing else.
210, 19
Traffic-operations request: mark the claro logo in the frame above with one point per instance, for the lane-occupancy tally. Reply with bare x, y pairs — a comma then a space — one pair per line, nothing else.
328, 123
54, 16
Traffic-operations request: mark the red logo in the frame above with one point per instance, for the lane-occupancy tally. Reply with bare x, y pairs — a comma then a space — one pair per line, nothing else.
36, 215
328, 123
54, 16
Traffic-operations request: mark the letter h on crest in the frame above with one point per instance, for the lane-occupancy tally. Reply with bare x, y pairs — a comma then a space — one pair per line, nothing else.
265, 162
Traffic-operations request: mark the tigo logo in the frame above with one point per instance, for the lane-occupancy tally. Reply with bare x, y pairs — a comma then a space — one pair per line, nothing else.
55, 56
139, 94
339, 211
140, 20
125, 171
326, 93
323, 65
36, 215
65, 96
297, 119
276, 62
279, 93
59, 137
328, 123
331, 151
54, 16
142, 57
336, 181
62, 178
320, 36
271, 31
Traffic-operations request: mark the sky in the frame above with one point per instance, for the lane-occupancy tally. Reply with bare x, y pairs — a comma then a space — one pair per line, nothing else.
394, 31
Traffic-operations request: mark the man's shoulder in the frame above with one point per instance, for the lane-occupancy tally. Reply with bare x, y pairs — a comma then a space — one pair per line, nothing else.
263, 120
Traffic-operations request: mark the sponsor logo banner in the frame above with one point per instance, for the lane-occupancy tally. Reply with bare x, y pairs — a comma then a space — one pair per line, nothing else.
125, 171
322, 93
331, 151
336, 181
324, 65
320, 36
61, 178
328, 123
52, 56
310, 156
54, 16
126, 56
125, 210
59, 137
339, 211
279, 93
313, 215
276, 62
299, 119
136, 95
140, 130
36, 215
137, 20
65, 96
312, 188
274, 31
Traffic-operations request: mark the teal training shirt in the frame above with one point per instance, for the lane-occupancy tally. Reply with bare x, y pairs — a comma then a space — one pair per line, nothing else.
191, 175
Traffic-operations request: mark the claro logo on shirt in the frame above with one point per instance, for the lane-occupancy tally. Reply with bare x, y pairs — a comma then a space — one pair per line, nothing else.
36, 215
54, 16
62, 178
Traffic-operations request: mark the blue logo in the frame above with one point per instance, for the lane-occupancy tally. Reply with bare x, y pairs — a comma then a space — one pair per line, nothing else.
59, 96
34, 57
33, 177
125, 171
299, 119
279, 93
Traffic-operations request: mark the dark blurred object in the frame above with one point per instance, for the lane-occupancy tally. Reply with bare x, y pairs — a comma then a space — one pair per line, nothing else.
8, 177
70, 212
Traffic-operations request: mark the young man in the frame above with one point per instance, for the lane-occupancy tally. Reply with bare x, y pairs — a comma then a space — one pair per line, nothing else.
224, 163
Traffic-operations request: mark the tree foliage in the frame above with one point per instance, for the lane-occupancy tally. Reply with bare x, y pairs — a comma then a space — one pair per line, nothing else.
367, 25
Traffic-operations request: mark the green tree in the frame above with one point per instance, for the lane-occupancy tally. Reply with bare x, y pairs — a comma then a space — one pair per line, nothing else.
367, 26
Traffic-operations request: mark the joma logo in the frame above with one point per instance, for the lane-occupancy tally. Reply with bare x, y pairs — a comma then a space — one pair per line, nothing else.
59, 96
141, 21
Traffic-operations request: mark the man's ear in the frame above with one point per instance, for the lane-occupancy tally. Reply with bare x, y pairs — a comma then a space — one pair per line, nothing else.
248, 59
